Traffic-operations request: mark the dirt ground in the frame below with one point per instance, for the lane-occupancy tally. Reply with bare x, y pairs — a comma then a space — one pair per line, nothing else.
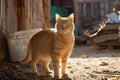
90, 64
83, 64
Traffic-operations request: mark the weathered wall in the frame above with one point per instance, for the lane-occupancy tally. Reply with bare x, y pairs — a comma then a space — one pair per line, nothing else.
9, 16
25, 14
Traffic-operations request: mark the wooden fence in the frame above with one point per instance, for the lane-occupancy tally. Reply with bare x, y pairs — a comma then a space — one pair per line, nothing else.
95, 9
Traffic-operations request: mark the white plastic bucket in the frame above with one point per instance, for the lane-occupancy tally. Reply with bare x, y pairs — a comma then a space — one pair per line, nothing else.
18, 43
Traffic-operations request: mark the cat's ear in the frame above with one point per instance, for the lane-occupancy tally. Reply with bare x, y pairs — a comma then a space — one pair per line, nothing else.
58, 17
71, 17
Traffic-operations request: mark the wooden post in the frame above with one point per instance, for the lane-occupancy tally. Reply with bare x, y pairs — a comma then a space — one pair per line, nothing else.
76, 10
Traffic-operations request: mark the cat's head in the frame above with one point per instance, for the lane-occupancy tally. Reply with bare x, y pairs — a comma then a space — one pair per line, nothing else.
64, 25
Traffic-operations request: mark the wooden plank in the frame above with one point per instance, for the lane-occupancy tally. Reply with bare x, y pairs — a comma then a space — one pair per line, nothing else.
8, 17
106, 7
12, 21
109, 26
76, 10
92, 8
37, 16
115, 42
103, 38
113, 31
84, 9
22, 17
3, 16
46, 13
27, 6
31, 14
25, 14
20, 14
91, 0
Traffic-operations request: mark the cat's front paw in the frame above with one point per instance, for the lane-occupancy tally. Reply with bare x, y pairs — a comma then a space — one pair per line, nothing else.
22, 62
49, 72
64, 75
36, 74
56, 78
66, 78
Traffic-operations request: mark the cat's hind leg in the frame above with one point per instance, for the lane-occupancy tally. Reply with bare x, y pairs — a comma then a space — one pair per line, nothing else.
34, 65
46, 66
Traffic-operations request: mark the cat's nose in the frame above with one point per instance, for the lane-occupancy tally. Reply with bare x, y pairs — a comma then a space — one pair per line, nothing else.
63, 27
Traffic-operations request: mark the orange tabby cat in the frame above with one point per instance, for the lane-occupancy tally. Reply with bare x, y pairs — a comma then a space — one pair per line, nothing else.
52, 44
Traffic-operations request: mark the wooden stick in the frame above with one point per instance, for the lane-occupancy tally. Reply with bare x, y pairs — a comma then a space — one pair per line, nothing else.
101, 27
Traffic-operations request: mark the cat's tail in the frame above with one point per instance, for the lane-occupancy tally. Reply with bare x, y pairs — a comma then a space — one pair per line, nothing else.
29, 55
